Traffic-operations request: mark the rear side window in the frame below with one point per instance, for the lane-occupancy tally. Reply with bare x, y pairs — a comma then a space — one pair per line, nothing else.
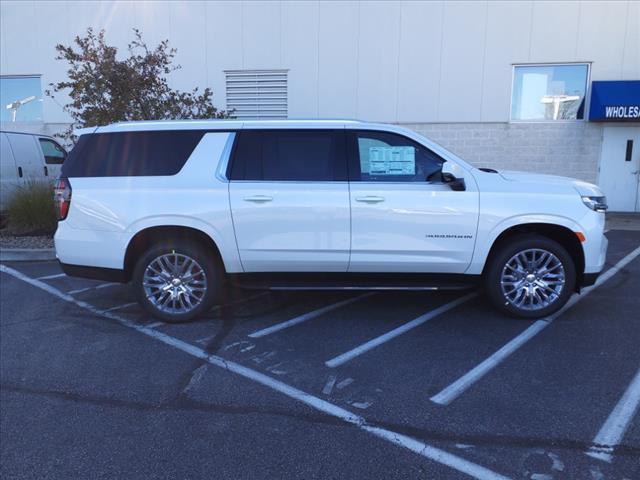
289, 155
131, 154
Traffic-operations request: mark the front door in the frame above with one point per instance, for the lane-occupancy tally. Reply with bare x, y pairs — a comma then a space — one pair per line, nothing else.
404, 219
290, 200
620, 168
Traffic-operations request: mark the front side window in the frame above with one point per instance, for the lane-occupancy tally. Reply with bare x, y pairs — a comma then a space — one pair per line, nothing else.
54, 154
289, 155
549, 92
388, 157
21, 98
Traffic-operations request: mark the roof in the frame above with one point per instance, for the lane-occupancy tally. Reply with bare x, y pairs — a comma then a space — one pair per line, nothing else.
222, 124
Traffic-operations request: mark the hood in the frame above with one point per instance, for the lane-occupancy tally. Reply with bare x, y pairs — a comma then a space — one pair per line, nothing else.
583, 188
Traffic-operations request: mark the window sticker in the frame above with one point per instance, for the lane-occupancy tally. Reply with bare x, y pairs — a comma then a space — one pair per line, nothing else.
391, 161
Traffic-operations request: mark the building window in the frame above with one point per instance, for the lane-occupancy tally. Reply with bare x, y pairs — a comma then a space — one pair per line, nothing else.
257, 94
21, 97
549, 92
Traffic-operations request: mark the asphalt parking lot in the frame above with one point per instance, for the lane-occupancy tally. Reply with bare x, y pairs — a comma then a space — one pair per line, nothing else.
319, 385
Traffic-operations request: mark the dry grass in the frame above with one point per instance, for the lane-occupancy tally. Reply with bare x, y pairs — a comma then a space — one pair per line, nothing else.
31, 211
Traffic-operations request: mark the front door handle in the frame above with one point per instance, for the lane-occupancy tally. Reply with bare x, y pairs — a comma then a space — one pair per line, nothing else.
258, 198
370, 199
636, 172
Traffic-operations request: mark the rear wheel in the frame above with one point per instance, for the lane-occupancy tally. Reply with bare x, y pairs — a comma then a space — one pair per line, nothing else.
177, 281
530, 277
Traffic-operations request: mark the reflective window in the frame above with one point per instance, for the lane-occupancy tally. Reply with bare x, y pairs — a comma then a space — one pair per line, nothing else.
296, 155
21, 98
54, 154
388, 157
549, 92
131, 154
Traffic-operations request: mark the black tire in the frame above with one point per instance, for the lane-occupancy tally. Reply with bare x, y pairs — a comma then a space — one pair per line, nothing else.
205, 259
506, 251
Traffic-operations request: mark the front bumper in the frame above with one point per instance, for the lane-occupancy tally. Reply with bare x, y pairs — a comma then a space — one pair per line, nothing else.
591, 276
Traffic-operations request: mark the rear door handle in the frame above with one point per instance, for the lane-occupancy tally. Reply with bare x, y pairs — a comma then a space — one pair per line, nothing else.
258, 198
370, 199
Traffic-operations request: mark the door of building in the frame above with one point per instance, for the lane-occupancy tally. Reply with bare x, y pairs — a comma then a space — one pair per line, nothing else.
620, 168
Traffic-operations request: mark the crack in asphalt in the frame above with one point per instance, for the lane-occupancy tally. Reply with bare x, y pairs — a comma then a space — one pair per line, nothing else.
185, 403
180, 403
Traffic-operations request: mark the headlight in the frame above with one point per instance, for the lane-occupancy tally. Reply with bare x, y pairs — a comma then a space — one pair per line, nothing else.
599, 204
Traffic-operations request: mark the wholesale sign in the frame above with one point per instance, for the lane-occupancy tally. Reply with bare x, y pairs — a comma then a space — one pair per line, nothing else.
615, 101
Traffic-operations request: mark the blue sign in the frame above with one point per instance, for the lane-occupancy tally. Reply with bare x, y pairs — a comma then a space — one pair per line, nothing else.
615, 101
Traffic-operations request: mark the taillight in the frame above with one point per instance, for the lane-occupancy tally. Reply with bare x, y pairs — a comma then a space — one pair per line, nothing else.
62, 197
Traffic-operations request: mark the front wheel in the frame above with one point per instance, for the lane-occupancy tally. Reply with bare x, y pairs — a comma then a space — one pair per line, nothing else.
530, 277
176, 281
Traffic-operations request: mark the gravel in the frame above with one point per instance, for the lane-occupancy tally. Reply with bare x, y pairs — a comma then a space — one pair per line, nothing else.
11, 241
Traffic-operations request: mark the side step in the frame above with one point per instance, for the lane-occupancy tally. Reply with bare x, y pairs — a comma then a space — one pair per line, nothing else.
354, 281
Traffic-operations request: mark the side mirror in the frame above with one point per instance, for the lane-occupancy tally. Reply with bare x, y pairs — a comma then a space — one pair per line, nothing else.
452, 175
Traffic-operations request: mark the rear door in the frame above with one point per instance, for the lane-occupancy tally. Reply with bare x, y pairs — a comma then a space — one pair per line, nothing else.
290, 200
404, 219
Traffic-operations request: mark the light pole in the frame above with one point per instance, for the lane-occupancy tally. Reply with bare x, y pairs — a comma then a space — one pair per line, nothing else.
17, 104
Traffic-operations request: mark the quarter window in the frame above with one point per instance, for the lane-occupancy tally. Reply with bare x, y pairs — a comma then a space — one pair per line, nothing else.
388, 157
131, 154
549, 92
289, 155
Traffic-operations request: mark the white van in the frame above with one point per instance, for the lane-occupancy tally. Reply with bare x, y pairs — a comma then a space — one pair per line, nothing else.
25, 156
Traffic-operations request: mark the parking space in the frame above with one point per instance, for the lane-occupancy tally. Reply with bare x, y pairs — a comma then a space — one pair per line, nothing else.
479, 394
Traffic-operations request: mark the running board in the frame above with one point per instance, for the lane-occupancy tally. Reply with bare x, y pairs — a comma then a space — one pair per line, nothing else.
361, 287
354, 281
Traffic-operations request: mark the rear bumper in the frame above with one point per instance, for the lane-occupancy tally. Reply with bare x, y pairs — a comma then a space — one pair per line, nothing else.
94, 273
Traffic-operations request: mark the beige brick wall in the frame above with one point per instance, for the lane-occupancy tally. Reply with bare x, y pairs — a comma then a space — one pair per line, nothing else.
569, 149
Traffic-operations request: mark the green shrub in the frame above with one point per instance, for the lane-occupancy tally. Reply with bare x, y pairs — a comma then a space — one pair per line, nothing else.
30, 209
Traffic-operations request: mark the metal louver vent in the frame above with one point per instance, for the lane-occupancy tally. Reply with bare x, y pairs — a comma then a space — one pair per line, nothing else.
257, 94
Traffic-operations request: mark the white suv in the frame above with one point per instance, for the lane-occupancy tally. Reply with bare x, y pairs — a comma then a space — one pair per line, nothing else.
178, 208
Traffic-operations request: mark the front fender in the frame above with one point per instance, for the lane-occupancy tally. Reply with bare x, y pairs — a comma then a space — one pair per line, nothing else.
491, 232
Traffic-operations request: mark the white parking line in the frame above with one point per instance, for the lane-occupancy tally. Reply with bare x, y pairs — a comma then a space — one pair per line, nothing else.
457, 388
616, 425
307, 316
120, 307
51, 277
351, 354
427, 451
102, 285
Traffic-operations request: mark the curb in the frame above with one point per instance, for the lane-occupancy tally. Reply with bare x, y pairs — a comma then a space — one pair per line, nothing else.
27, 254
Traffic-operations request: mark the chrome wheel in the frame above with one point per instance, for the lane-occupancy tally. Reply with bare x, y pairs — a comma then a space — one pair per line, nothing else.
532, 279
174, 283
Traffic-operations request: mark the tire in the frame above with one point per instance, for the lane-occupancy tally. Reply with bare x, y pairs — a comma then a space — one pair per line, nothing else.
536, 290
190, 290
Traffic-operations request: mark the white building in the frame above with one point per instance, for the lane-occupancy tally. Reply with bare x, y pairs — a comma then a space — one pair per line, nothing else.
503, 84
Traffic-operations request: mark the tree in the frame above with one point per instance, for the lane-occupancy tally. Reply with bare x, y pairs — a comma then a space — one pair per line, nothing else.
104, 89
